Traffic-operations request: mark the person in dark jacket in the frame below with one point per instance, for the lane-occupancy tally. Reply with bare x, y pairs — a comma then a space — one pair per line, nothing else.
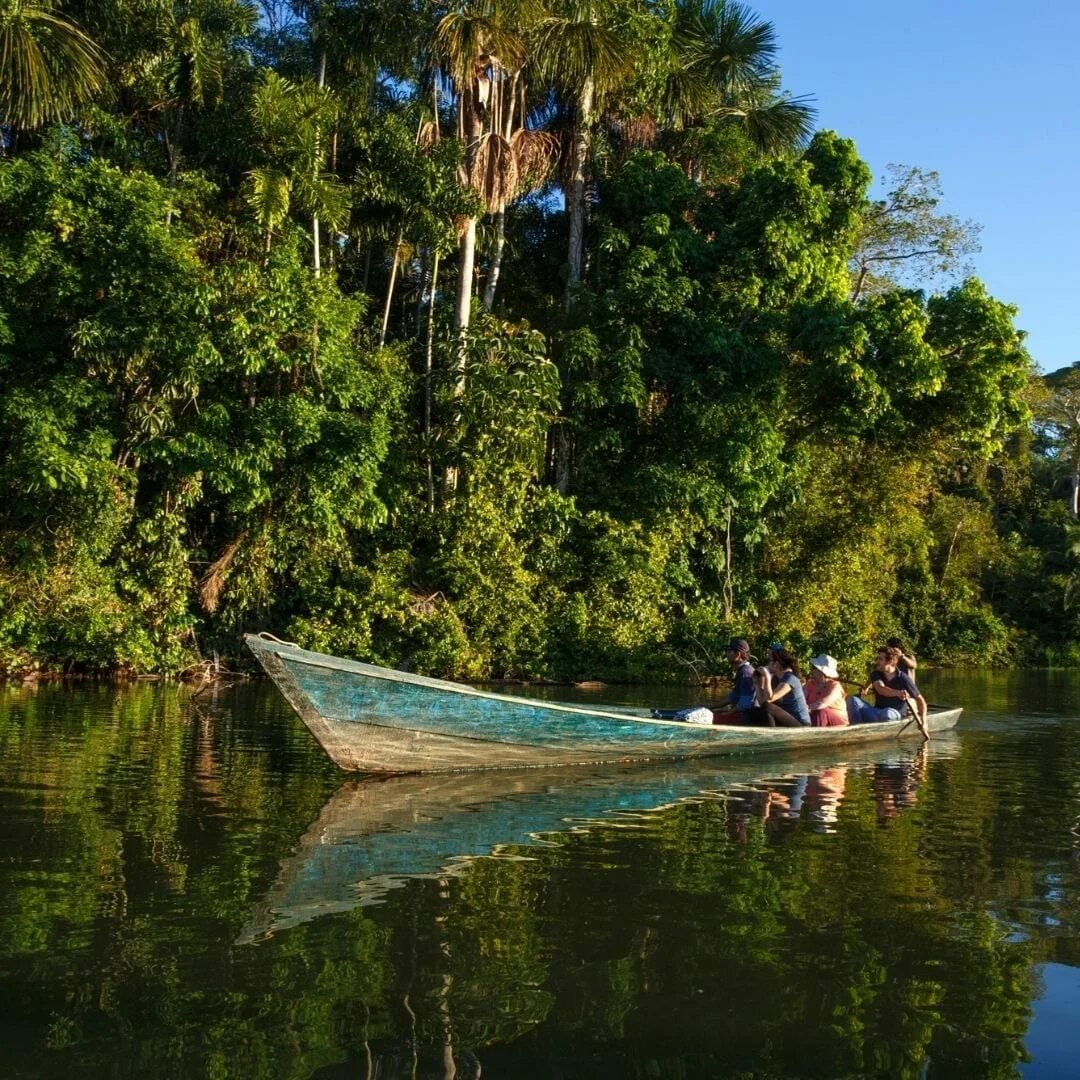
740, 699
741, 696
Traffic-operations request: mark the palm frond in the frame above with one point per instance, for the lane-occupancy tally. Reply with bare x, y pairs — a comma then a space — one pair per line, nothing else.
268, 193
569, 51
727, 42
324, 196
467, 42
537, 154
429, 135
688, 95
493, 172
782, 124
48, 65
638, 132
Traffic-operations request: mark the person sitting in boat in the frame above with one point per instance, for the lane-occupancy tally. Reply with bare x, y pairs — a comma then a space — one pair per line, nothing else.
894, 691
778, 694
907, 662
825, 693
740, 699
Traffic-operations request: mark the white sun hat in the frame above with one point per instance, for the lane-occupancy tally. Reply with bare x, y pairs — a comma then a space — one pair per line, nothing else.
826, 664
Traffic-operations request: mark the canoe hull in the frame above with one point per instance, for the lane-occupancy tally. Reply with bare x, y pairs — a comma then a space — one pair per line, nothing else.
375, 720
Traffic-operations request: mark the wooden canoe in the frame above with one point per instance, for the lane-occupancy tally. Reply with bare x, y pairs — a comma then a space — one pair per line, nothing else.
376, 720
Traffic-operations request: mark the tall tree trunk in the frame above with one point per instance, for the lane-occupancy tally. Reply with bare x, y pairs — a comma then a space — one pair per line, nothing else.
496, 260
949, 553
315, 238
729, 591
429, 351
173, 150
575, 197
466, 266
462, 312
390, 286
564, 456
334, 237
576, 192
471, 122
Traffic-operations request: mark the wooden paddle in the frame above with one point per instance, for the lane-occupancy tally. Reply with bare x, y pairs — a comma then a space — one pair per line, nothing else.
918, 720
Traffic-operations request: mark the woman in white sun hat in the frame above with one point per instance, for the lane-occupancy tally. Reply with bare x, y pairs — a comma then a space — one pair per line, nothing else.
825, 694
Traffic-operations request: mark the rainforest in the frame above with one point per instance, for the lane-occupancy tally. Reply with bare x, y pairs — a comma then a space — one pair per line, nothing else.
503, 338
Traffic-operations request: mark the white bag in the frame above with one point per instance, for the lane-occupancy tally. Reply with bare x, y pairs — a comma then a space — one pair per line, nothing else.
698, 715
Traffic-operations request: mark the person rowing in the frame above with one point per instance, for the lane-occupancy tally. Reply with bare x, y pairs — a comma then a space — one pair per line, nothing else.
895, 694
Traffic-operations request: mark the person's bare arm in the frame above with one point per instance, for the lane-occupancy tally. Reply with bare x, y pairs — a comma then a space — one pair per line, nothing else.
834, 697
887, 691
781, 691
762, 686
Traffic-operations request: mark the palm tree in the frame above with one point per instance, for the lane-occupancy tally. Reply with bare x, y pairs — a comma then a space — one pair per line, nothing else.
475, 44
290, 121
1057, 412
47, 64
723, 70
586, 59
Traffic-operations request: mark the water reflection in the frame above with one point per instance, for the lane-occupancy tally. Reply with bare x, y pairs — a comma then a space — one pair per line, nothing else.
904, 914
896, 784
373, 835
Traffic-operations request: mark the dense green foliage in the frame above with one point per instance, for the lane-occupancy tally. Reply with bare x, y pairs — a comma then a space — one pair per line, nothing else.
243, 383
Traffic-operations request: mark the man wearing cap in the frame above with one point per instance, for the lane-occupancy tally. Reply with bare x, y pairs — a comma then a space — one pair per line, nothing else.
741, 697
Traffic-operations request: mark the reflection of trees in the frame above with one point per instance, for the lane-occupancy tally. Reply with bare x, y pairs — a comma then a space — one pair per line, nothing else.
713, 937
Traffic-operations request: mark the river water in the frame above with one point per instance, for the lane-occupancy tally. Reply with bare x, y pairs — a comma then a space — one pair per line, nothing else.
188, 888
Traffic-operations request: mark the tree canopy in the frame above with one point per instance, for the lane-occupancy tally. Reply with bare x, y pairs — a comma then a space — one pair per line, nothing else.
715, 385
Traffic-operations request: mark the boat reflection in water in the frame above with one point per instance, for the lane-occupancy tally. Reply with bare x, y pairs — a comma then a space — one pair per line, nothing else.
813, 799
374, 835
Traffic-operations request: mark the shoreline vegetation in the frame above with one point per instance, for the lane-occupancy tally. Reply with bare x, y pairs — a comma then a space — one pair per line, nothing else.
538, 341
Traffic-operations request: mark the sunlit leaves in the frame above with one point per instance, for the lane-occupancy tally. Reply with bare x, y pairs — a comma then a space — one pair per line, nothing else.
293, 123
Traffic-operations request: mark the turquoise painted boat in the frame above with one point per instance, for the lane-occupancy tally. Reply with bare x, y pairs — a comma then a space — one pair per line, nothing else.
377, 720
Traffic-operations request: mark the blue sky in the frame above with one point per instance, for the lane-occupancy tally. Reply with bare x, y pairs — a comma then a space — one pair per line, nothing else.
985, 93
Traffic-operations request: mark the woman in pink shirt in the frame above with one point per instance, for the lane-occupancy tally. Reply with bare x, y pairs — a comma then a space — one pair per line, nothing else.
824, 694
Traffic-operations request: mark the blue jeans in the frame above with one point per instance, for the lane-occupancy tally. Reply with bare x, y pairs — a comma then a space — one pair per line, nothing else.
859, 712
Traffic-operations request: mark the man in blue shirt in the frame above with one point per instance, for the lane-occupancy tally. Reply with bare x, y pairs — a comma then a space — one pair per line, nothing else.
740, 700
895, 693
741, 696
